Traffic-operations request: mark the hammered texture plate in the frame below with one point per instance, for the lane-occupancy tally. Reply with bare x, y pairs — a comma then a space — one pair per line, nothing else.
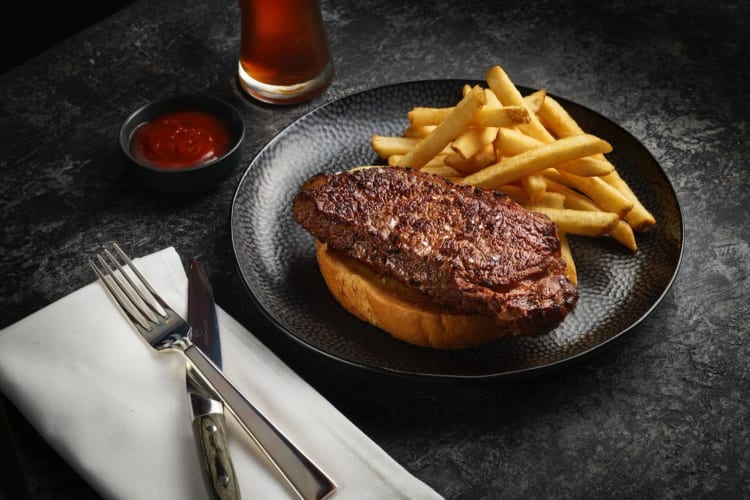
275, 257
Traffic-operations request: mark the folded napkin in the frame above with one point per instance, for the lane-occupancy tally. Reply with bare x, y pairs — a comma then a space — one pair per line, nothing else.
117, 410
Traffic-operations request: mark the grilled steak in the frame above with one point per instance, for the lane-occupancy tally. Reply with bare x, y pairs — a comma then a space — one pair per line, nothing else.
472, 250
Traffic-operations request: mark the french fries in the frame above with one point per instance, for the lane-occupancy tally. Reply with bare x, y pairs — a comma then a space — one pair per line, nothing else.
508, 93
451, 127
559, 121
503, 116
386, 146
473, 141
510, 142
583, 222
570, 268
532, 149
512, 168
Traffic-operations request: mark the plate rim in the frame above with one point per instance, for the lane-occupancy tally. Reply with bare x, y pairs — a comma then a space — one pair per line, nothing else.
525, 372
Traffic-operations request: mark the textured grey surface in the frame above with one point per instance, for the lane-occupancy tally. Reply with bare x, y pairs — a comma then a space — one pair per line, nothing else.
663, 413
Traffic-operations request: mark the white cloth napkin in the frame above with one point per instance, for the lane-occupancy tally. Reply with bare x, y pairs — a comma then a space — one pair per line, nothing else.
117, 410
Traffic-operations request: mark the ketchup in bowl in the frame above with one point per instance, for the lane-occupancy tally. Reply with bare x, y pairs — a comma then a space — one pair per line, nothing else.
180, 139
182, 144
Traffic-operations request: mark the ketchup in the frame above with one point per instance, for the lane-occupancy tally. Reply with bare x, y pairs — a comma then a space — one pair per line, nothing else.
179, 140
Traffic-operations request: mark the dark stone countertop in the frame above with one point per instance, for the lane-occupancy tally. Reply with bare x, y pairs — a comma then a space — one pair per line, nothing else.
662, 413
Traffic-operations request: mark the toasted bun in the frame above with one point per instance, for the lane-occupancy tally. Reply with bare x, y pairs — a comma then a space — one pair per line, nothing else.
405, 314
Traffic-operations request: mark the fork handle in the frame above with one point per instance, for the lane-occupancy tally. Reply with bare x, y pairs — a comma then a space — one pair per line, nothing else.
307, 480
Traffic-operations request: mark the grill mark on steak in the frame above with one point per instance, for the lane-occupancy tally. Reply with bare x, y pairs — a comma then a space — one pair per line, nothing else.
472, 250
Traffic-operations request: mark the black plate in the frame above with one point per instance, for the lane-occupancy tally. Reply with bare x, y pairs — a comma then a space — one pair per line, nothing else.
276, 259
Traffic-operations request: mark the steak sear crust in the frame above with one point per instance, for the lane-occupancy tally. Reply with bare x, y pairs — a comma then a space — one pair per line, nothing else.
471, 250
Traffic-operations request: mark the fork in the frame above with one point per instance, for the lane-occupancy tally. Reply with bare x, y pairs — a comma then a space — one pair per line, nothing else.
164, 329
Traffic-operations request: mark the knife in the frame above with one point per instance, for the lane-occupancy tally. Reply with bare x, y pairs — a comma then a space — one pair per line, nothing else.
209, 422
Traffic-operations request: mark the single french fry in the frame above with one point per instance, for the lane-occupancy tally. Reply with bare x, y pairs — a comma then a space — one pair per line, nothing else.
567, 255
386, 146
552, 200
556, 119
639, 217
589, 166
520, 196
573, 198
623, 233
452, 126
436, 161
474, 163
535, 99
441, 170
489, 96
389, 145
491, 100
473, 140
509, 95
582, 222
505, 116
513, 168
420, 132
516, 193
548, 199
420, 116
605, 196
511, 141
552, 174
534, 185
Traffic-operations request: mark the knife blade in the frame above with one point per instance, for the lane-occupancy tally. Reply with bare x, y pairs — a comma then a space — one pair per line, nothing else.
209, 422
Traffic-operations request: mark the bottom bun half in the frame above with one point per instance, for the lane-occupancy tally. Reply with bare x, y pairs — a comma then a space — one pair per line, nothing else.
404, 313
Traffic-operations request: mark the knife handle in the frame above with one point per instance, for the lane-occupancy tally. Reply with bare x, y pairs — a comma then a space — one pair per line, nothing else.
210, 431
307, 480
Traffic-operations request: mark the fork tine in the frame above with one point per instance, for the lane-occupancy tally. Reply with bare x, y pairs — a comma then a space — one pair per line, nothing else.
154, 294
128, 287
142, 298
149, 314
138, 321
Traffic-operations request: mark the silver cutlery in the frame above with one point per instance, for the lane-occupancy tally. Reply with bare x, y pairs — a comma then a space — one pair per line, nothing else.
209, 423
164, 329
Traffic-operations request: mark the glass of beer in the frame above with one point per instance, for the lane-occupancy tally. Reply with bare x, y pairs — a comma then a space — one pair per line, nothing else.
284, 53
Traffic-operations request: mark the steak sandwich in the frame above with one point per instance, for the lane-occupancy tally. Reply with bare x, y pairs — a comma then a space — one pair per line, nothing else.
431, 262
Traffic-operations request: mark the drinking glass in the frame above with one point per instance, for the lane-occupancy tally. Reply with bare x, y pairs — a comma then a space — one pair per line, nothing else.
284, 52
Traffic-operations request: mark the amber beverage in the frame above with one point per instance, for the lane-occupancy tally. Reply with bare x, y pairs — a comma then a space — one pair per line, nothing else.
284, 53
